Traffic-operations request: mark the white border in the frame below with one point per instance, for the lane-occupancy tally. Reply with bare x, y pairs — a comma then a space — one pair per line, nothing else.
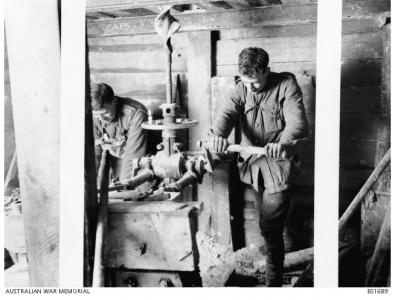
394, 142
72, 143
327, 133
2, 37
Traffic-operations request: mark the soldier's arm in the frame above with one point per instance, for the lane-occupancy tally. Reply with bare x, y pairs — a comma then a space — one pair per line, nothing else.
136, 145
296, 126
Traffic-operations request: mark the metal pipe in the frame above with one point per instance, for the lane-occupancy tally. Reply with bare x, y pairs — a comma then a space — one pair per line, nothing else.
169, 82
186, 180
132, 183
99, 254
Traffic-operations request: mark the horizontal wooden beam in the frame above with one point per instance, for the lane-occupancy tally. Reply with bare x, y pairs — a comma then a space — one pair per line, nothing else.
96, 5
234, 18
268, 15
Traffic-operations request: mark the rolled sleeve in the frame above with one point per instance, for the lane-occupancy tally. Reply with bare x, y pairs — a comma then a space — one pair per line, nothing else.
136, 145
296, 125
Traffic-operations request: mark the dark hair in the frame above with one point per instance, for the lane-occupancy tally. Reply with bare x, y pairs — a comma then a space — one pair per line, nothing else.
252, 60
101, 94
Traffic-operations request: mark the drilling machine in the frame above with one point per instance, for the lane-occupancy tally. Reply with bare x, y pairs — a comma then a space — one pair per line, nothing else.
148, 238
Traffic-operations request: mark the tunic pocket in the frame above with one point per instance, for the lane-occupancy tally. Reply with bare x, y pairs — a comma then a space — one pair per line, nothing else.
271, 118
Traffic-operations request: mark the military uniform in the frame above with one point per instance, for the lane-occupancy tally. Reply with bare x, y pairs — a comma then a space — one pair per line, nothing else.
274, 115
123, 136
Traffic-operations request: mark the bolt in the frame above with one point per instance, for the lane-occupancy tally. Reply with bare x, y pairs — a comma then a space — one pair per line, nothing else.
165, 282
131, 281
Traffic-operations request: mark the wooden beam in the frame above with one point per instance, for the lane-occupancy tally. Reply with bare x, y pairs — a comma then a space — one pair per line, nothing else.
239, 3
374, 276
90, 184
269, 15
33, 43
213, 6
364, 190
95, 5
199, 70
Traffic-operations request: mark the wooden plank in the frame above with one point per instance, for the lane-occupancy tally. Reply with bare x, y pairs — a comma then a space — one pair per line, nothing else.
129, 83
358, 126
362, 45
135, 60
354, 72
372, 215
214, 6
147, 88
178, 40
349, 26
378, 274
384, 129
304, 29
33, 43
95, 4
302, 48
269, 15
362, 99
239, 3
364, 8
214, 193
364, 24
150, 241
134, 12
360, 72
298, 67
354, 177
199, 95
361, 153
292, 2
106, 4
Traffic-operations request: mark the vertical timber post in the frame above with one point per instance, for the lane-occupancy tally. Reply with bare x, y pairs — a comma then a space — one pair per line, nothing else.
32, 30
214, 191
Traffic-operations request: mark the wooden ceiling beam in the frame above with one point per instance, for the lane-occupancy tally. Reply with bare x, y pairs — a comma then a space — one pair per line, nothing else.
103, 5
268, 15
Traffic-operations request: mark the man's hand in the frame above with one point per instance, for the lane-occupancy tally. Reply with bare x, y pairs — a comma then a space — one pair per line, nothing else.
218, 143
275, 150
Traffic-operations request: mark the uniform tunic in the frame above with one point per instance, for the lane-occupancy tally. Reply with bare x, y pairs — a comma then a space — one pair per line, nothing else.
123, 136
276, 114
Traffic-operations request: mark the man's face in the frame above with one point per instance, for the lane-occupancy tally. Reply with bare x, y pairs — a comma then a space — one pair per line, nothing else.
105, 113
256, 83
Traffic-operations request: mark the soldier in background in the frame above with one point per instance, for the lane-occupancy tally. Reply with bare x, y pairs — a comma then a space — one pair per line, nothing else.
117, 128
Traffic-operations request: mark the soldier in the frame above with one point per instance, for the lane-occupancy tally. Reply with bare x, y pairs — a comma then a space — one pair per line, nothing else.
117, 128
269, 108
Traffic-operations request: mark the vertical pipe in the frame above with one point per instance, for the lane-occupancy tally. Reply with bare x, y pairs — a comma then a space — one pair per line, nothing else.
33, 42
169, 82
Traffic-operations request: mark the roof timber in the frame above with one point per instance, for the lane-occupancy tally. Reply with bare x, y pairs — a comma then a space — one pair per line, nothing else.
96, 5
126, 8
267, 15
